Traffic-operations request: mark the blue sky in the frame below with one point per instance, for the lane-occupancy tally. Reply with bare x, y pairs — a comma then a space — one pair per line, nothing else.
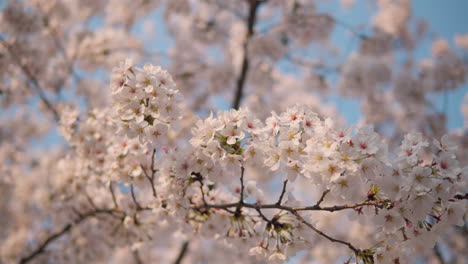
445, 18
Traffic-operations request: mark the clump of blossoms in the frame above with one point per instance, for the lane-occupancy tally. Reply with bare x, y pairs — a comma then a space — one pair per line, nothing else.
145, 101
421, 188
342, 160
280, 238
224, 142
212, 188
108, 197
145, 106
350, 165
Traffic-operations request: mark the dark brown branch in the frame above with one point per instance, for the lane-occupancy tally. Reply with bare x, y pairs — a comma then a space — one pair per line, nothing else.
137, 257
349, 245
36, 85
63, 51
78, 213
349, 28
150, 180
253, 7
132, 191
262, 215
283, 191
197, 177
322, 197
202, 192
316, 66
114, 200
41, 248
91, 202
241, 199
183, 251
153, 170
375, 203
378, 204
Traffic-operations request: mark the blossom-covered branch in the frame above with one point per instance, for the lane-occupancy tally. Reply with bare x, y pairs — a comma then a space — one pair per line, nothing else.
253, 8
42, 246
148, 170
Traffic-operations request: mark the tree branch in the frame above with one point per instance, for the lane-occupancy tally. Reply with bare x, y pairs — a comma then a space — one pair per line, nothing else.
150, 178
349, 28
283, 191
91, 202
322, 197
132, 191
153, 172
41, 248
378, 204
349, 245
136, 256
182, 253
241, 199
114, 200
253, 7
36, 86
262, 215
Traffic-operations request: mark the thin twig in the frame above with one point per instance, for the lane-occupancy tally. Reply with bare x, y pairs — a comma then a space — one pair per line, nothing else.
312, 65
137, 257
349, 28
283, 191
262, 215
349, 245
322, 197
183, 251
36, 86
202, 191
150, 180
114, 200
197, 177
153, 172
241, 199
78, 213
41, 248
138, 206
63, 51
91, 202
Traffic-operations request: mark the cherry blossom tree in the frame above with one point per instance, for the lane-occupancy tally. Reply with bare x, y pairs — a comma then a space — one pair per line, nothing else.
220, 148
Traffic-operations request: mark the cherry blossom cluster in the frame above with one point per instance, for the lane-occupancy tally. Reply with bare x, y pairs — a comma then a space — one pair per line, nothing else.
145, 101
408, 197
102, 156
416, 193
421, 190
277, 179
